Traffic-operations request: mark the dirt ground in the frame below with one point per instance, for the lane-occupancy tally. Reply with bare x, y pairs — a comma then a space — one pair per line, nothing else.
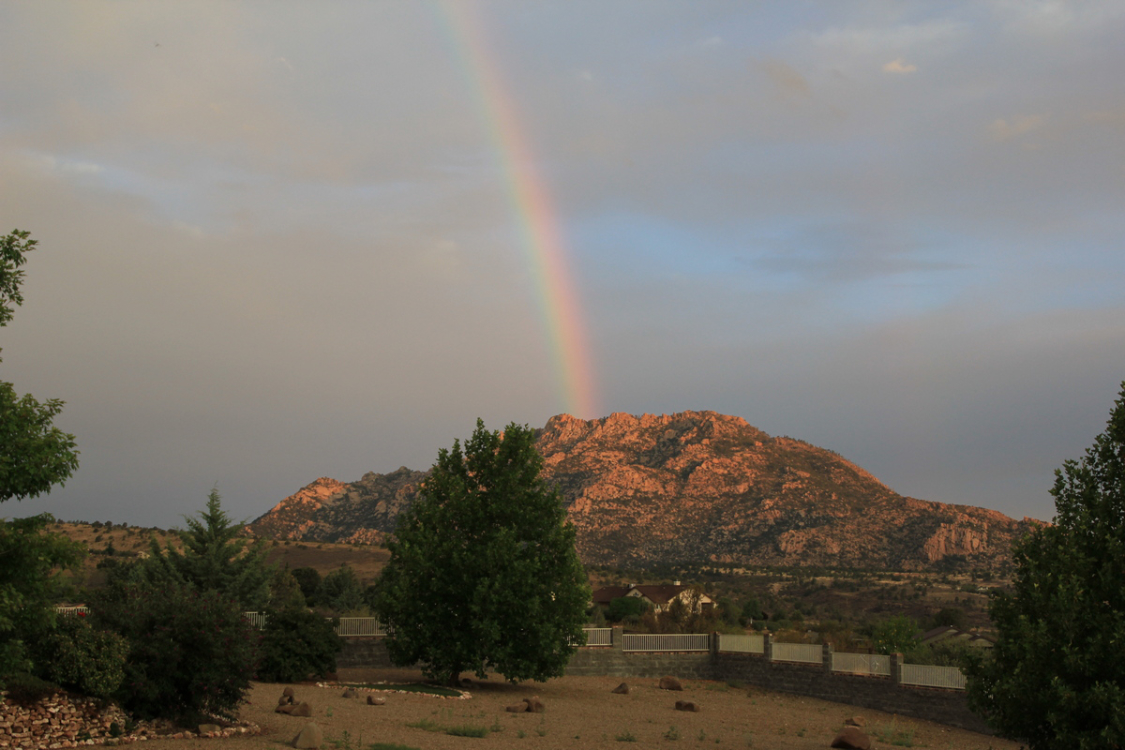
581, 712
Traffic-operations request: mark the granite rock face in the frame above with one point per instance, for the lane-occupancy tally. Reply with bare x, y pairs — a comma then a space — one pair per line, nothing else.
692, 487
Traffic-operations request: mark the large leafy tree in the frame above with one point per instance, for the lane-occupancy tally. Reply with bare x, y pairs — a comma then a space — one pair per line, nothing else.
1056, 678
483, 572
215, 557
34, 456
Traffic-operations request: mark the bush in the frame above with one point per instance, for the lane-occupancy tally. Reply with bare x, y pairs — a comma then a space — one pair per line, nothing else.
625, 607
296, 644
191, 653
80, 658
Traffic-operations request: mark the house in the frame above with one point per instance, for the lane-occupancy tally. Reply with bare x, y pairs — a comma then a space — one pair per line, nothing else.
659, 597
949, 634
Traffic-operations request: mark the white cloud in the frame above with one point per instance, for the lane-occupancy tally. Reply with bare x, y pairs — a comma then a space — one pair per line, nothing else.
1003, 130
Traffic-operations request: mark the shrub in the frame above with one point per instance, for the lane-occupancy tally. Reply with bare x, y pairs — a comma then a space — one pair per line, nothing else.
296, 644
624, 607
80, 658
191, 653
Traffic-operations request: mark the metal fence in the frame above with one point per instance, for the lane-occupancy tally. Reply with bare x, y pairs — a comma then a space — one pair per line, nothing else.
356, 626
598, 637
807, 653
743, 644
862, 664
666, 642
925, 675
80, 610
257, 619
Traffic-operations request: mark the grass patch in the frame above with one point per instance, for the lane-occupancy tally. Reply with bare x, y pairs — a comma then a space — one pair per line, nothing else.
892, 735
672, 733
625, 736
426, 725
411, 687
468, 730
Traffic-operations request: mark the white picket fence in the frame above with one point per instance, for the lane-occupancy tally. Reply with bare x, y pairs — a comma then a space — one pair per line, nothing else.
806, 653
598, 636
666, 642
862, 664
925, 675
742, 644
360, 626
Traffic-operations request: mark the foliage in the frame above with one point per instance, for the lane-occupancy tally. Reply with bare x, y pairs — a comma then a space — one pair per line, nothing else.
309, 581
191, 652
1057, 679
76, 656
28, 586
34, 455
951, 616
340, 591
483, 571
895, 635
295, 644
625, 608
285, 591
215, 557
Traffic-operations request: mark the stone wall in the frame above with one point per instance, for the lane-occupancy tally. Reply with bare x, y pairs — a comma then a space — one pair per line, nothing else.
56, 721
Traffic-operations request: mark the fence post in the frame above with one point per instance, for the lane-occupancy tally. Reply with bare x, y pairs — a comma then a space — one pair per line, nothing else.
896, 669
767, 645
826, 657
616, 638
714, 644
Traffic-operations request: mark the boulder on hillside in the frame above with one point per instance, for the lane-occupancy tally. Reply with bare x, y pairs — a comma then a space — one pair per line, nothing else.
670, 683
850, 738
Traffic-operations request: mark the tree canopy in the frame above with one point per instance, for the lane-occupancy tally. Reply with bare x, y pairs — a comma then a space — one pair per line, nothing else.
34, 454
1056, 678
483, 572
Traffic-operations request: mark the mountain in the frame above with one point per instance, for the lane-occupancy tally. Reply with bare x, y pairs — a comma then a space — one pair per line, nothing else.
693, 487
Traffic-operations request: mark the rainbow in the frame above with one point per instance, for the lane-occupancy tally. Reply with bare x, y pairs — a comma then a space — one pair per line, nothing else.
541, 235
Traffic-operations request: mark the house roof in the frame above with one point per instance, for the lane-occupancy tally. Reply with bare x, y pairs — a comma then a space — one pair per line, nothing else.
607, 594
946, 632
657, 594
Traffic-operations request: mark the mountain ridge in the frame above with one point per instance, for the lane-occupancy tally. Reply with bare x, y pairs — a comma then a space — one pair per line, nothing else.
692, 487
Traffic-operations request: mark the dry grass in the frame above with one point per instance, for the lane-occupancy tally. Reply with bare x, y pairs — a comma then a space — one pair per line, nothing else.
581, 712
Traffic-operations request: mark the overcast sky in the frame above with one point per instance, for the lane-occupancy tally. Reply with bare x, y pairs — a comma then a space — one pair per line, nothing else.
280, 241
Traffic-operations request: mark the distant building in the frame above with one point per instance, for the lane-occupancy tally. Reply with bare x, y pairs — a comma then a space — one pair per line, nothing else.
658, 597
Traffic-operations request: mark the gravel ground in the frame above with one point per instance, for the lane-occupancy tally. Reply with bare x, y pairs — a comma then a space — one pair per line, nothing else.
580, 712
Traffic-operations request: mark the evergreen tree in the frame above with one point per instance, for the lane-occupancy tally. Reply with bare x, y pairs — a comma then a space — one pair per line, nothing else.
215, 557
1056, 678
483, 572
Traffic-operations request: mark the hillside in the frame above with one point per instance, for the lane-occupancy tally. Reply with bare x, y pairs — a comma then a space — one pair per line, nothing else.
692, 487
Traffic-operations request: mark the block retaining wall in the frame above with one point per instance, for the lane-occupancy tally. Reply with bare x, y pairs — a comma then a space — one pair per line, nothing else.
880, 693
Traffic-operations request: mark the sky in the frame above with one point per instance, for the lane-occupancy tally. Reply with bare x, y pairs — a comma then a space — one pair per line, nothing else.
280, 241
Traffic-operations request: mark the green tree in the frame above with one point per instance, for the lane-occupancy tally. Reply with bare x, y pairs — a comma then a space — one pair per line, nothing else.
895, 635
626, 608
309, 581
340, 591
483, 572
215, 557
34, 455
1056, 678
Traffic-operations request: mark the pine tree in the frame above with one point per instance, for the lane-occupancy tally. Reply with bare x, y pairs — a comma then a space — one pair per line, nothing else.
216, 557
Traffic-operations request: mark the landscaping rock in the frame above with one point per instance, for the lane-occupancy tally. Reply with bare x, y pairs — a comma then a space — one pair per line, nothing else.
855, 721
534, 705
285, 708
310, 738
209, 728
622, 689
290, 694
517, 708
350, 693
670, 683
687, 706
373, 701
302, 709
850, 738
